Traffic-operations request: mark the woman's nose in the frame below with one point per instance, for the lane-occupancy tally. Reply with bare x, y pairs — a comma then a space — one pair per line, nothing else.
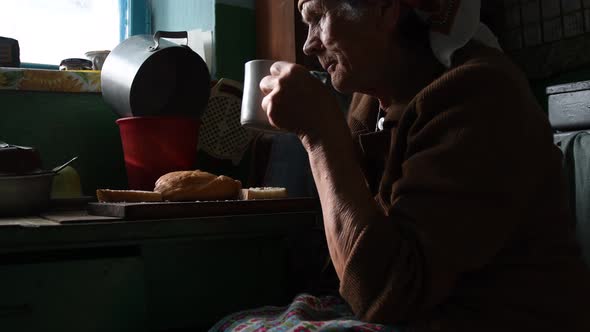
313, 44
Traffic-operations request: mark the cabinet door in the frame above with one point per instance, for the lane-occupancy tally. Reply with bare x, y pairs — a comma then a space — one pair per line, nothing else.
77, 295
192, 283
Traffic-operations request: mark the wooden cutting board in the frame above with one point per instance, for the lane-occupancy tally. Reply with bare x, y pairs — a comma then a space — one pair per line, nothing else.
166, 210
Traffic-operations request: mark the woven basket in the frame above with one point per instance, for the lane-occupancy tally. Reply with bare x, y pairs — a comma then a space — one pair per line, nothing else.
221, 134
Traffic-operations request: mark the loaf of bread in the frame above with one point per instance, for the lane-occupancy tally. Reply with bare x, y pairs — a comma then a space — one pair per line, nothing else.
110, 195
197, 186
264, 193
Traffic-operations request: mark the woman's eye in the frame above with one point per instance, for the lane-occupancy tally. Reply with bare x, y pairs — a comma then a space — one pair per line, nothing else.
317, 20
314, 20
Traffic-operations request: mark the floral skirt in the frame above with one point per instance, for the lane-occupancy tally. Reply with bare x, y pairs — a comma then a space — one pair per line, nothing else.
306, 314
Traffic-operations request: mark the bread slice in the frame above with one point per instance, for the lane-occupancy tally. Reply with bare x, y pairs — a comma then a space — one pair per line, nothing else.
264, 193
110, 195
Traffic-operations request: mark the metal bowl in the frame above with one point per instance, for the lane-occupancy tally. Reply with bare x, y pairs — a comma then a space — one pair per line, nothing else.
26, 194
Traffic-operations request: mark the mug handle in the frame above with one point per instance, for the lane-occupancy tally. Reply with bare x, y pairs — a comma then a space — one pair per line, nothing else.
167, 34
95, 63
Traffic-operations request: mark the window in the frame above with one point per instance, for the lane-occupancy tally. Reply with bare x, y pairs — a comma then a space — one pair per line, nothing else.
49, 31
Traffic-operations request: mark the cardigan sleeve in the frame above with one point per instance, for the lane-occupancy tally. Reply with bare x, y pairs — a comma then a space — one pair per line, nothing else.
454, 185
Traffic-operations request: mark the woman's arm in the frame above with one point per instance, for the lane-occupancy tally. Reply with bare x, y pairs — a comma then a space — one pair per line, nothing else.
313, 113
347, 204
378, 264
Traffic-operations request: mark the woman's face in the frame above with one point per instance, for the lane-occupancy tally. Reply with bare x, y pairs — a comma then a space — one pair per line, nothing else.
351, 47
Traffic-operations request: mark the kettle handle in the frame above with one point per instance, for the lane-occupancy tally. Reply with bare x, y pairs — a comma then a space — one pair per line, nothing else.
167, 34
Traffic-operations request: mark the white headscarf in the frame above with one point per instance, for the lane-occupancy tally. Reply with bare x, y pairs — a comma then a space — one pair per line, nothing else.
453, 23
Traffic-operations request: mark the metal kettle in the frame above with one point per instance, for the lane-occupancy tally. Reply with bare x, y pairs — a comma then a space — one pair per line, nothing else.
149, 76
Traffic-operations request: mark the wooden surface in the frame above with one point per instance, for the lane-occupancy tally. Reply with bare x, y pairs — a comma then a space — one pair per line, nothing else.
54, 218
166, 210
275, 30
31, 221
174, 274
75, 216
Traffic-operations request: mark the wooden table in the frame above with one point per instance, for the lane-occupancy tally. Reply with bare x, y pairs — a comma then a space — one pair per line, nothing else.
68, 270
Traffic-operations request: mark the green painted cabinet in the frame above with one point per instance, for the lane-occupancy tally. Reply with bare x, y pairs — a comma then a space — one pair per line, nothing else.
179, 274
193, 283
73, 295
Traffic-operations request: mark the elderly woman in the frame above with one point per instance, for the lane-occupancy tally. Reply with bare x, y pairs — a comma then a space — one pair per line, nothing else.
444, 210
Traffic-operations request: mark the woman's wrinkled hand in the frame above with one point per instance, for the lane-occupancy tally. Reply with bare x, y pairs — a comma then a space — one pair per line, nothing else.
298, 102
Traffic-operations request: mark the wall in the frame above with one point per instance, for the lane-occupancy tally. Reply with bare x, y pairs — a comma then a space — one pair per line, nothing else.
276, 30
235, 37
183, 14
63, 125
233, 23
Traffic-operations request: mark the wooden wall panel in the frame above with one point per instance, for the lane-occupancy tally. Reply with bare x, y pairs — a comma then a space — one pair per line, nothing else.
275, 30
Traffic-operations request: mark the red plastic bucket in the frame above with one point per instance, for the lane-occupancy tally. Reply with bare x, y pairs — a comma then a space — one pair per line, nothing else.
156, 145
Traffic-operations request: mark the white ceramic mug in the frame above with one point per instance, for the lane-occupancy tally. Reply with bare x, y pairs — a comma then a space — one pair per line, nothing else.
252, 114
97, 58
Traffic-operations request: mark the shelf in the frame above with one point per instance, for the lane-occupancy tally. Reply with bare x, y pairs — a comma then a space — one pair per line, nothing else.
21, 79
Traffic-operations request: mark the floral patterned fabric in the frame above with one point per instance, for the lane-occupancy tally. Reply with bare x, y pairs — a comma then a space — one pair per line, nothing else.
307, 313
49, 80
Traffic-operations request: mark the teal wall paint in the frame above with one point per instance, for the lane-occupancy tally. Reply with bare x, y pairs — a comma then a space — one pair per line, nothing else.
233, 23
235, 38
63, 125
183, 14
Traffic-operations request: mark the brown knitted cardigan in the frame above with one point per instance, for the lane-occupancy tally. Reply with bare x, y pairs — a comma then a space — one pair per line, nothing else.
479, 237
